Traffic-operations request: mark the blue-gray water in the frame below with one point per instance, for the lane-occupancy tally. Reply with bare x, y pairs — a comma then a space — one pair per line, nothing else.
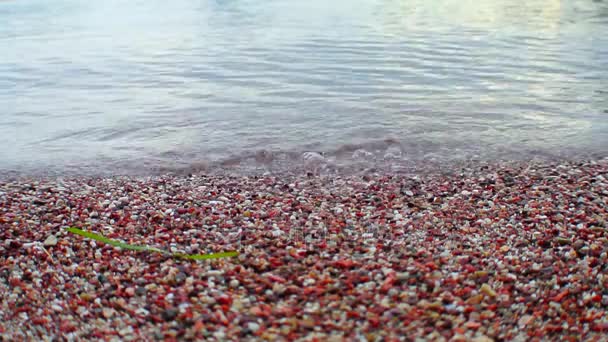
119, 86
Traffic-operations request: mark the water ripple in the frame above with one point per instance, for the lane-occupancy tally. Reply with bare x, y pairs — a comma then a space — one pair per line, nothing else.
152, 85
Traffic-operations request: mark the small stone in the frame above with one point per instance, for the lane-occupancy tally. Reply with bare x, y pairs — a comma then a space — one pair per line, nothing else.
102, 278
129, 291
524, 321
458, 338
487, 290
278, 288
86, 296
308, 323
169, 314
107, 312
578, 244
254, 327
401, 276
51, 240
474, 300
472, 325
308, 282
215, 273
480, 274
126, 331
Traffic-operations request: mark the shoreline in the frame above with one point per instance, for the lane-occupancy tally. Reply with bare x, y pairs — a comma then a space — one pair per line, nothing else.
499, 251
349, 163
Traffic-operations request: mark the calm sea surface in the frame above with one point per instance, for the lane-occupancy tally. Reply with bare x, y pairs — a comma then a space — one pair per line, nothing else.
139, 86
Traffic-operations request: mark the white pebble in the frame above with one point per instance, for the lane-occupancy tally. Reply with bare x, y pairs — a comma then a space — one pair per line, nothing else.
253, 326
309, 282
51, 240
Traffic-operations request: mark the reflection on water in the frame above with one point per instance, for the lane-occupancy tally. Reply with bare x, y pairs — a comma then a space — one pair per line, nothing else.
113, 85
543, 16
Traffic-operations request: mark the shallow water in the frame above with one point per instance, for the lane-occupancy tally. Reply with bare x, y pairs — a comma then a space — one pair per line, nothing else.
141, 86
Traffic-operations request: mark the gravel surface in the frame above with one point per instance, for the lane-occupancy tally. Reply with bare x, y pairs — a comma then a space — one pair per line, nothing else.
503, 252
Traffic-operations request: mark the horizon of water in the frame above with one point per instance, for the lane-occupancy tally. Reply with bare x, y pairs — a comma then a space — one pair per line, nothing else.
137, 87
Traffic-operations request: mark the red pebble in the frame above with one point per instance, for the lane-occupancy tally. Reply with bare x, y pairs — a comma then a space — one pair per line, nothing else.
199, 326
472, 325
600, 327
561, 296
388, 283
224, 300
15, 244
129, 291
344, 264
553, 328
353, 314
374, 322
276, 278
14, 282
39, 320
66, 327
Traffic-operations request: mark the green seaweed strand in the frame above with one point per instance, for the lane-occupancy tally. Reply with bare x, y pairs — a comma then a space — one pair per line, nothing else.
101, 238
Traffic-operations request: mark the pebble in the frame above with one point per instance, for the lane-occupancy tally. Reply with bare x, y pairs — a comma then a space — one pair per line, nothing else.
51, 240
169, 314
524, 321
107, 312
126, 331
487, 290
253, 326
309, 282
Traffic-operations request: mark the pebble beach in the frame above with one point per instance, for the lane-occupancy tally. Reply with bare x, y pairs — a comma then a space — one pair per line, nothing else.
489, 253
